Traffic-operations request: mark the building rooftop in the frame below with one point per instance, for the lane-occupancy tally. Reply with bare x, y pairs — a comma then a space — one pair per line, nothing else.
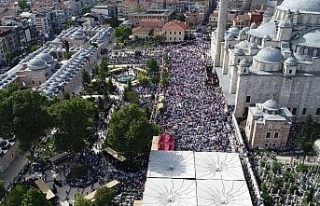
300, 5
174, 25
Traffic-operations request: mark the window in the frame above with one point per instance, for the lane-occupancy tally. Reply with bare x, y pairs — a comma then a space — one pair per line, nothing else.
304, 111
290, 71
32, 82
294, 111
179, 32
318, 111
174, 33
268, 135
248, 99
266, 145
276, 135
274, 144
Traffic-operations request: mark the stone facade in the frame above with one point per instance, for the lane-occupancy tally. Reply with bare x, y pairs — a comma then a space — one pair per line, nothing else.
284, 59
268, 126
9, 149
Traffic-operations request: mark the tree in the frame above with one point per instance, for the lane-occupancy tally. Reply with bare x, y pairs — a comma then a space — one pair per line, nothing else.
276, 166
110, 86
152, 64
22, 4
15, 196
3, 190
72, 119
129, 130
103, 196
81, 201
180, 17
34, 197
86, 9
6, 117
8, 58
123, 32
31, 119
306, 136
85, 78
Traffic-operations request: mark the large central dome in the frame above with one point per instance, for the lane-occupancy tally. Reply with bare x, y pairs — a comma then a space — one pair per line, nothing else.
301, 5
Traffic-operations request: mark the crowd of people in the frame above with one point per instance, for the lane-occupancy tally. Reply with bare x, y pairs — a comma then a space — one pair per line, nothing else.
194, 112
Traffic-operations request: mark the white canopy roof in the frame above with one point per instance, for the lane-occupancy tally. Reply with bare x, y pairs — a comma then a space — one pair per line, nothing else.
170, 192
218, 165
223, 193
171, 164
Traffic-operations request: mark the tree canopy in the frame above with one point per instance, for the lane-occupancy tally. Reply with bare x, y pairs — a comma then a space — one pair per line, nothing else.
123, 32
30, 117
152, 64
34, 197
72, 119
306, 136
3, 190
23, 4
15, 196
103, 196
129, 130
81, 201
180, 17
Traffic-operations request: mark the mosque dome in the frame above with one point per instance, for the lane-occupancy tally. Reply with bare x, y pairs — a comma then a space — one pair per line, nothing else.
46, 57
244, 30
245, 62
291, 61
78, 35
253, 25
268, 12
238, 51
271, 105
37, 64
229, 37
285, 23
234, 31
301, 5
4, 143
254, 46
311, 39
267, 37
268, 54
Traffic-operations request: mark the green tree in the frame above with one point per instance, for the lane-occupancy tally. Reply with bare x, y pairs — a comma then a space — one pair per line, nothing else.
22, 4
85, 78
72, 118
8, 58
180, 17
34, 197
103, 196
81, 201
276, 166
123, 32
152, 64
114, 22
306, 136
129, 130
31, 119
15, 196
110, 87
3, 190
6, 117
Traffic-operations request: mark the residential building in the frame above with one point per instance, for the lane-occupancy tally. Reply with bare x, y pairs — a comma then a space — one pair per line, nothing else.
268, 125
174, 31
107, 11
151, 18
9, 40
284, 60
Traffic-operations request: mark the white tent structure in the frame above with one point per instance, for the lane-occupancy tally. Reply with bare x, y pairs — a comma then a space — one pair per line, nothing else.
218, 166
171, 164
223, 193
170, 192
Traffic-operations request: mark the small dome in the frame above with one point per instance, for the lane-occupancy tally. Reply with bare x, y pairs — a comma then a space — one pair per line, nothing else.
45, 57
229, 37
244, 30
238, 51
245, 62
271, 105
268, 12
285, 23
234, 31
78, 35
37, 64
254, 46
4, 143
291, 61
267, 37
268, 54
253, 25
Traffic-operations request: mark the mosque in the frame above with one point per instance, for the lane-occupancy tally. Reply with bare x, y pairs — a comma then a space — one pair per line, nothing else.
278, 60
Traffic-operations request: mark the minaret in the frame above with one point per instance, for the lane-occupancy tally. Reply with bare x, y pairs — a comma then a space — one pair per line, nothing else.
222, 20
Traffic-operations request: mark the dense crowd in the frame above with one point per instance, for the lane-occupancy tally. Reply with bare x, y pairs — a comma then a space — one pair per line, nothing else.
194, 112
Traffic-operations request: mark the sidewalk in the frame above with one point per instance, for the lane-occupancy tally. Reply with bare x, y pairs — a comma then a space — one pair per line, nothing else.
13, 170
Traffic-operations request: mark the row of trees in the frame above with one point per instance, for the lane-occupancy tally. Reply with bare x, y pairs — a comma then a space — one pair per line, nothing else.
29, 116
